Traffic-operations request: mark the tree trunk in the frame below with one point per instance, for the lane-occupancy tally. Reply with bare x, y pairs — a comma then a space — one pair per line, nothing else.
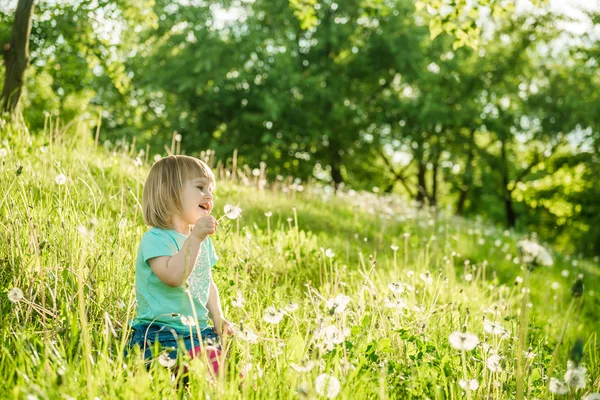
16, 56
421, 183
468, 177
511, 217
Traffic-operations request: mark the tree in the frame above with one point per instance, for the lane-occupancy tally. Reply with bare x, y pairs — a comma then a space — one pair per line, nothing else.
16, 56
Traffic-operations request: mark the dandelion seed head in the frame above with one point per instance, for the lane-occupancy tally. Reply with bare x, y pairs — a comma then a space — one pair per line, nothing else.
15, 295
493, 363
472, 384
558, 387
272, 315
565, 273
3, 153
327, 385
338, 304
232, 212
268, 214
305, 366
396, 287
463, 340
329, 253
248, 335
166, 361
60, 179
394, 247
592, 396
575, 376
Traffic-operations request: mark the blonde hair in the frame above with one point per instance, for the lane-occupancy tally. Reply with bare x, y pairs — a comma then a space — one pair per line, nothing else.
165, 184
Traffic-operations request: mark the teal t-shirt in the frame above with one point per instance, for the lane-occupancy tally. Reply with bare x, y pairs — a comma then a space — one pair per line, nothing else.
156, 301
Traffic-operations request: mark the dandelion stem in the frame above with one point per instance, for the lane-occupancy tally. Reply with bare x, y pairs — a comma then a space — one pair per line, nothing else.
558, 343
464, 365
522, 335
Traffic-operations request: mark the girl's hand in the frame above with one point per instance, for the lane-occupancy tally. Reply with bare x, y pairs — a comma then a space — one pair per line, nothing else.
205, 226
227, 328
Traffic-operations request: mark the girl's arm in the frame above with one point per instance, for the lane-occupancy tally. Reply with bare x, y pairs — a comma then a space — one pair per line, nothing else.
174, 270
214, 307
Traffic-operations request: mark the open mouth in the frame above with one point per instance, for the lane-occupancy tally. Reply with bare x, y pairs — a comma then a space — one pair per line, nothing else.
205, 207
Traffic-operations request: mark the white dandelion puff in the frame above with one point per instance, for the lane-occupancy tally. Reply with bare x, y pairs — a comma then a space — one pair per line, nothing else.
3, 153
291, 307
495, 329
166, 361
272, 315
238, 300
232, 212
15, 295
394, 247
592, 396
60, 179
338, 304
248, 336
471, 383
493, 363
575, 376
396, 287
532, 253
305, 366
463, 340
397, 303
268, 214
558, 387
426, 277
329, 253
327, 385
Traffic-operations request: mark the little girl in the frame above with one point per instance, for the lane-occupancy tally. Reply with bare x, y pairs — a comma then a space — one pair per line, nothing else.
174, 288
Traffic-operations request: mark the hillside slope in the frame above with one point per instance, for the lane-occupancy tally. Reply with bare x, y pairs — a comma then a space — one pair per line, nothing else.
71, 216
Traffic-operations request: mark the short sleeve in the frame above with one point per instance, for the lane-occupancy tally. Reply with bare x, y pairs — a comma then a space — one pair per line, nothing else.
212, 254
155, 244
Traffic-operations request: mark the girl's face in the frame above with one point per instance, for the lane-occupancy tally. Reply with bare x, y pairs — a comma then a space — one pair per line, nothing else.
196, 200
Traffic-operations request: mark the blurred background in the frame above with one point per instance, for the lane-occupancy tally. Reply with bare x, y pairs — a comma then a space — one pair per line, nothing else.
488, 108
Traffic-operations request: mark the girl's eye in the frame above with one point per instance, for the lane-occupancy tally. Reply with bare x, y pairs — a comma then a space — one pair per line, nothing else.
200, 187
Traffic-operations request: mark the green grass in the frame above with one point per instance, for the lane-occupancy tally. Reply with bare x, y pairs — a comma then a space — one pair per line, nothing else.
71, 249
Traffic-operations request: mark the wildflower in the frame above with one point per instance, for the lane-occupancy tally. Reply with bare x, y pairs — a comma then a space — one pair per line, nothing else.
268, 214
15, 295
333, 335
272, 315
426, 277
565, 273
3, 152
555, 286
410, 273
575, 375
337, 304
463, 340
177, 137
398, 303
495, 329
157, 157
165, 360
238, 300
534, 254
60, 179
471, 383
558, 387
396, 287
327, 385
493, 363
592, 396
518, 279
248, 336
329, 253
394, 247
468, 277
188, 320
291, 307
232, 212
305, 366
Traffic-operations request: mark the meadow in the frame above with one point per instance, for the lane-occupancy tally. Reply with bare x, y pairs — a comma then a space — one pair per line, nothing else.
349, 295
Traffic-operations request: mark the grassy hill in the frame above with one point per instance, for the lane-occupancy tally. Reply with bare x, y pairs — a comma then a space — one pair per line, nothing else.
70, 216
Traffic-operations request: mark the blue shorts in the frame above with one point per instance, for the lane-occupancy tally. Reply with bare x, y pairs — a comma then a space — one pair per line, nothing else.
169, 339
